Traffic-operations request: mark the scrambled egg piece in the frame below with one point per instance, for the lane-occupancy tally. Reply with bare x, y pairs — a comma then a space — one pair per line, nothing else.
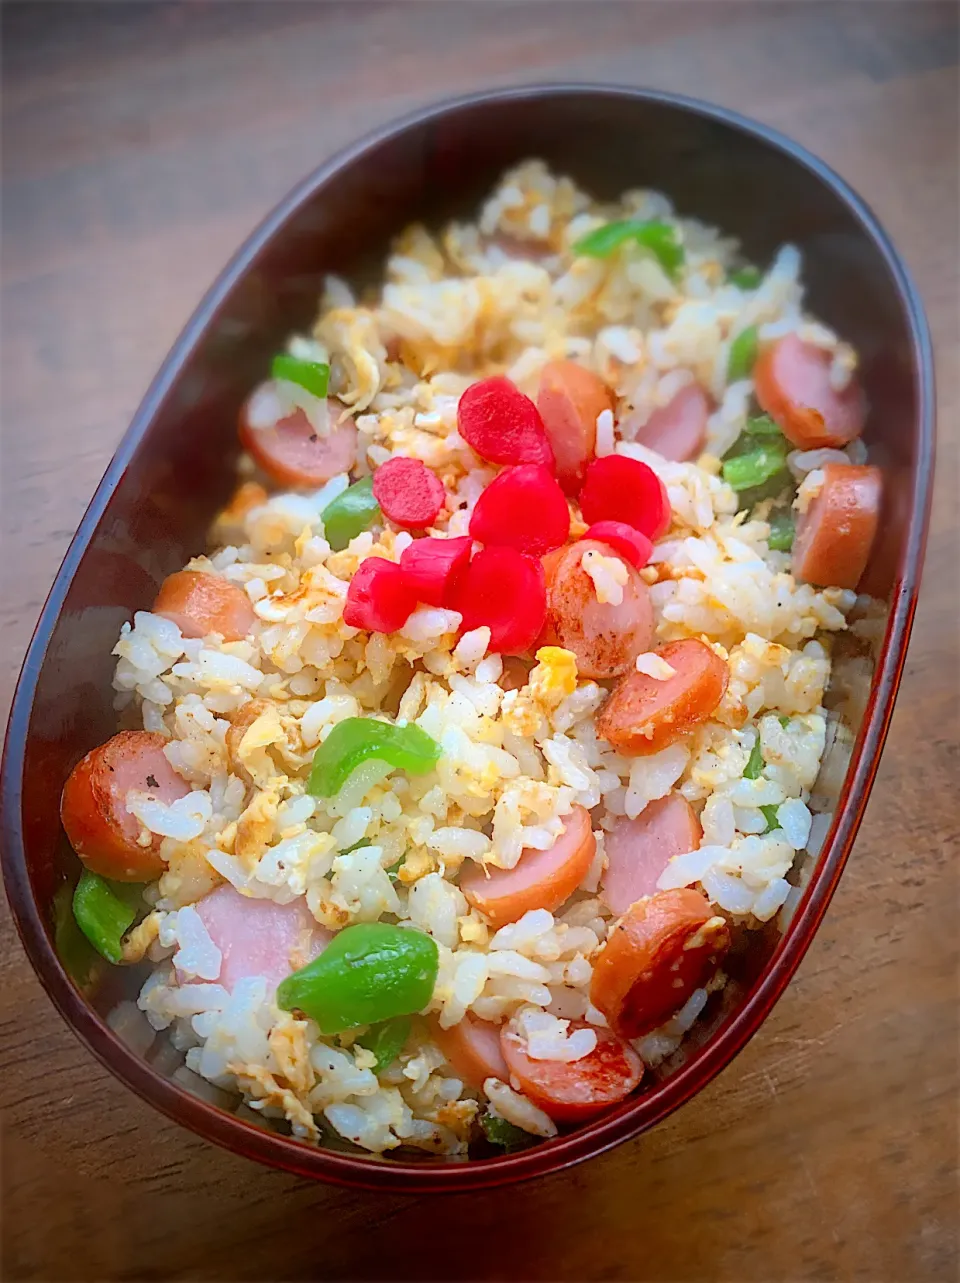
554, 677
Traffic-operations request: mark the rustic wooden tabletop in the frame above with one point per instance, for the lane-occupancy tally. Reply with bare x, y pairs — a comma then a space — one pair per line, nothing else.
141, 143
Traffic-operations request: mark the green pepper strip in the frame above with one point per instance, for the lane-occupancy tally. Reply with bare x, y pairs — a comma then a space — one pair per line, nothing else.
770, 815
659, 238
386, 1041
761, 425
357, 739
103, 914
369, 972
313, 376
743, 354
746, 471
352, 512
506, 1135
782, 531
747, 278
754, 768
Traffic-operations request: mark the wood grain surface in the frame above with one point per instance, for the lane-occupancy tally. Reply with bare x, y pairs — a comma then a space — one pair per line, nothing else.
141, 143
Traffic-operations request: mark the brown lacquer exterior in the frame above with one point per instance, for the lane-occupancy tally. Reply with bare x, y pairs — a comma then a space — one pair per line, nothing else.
175, 467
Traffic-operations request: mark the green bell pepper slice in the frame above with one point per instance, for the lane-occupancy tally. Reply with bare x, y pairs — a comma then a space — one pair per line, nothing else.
369, 972
505, 1135
743, 354
356, 740
747, 278
659, 238
782, 531
312, 376
755, 467
104, 913
386, 1041
352, 512
754, 767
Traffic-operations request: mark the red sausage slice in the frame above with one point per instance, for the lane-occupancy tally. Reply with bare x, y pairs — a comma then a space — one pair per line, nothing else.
259, 937
644, 715
605, 638
94, 812
792, 382
639, 850
659, 952
570, 400
541, 879
472, 1048
570, 1091
677, 430
835, 534
294, 455
200, 604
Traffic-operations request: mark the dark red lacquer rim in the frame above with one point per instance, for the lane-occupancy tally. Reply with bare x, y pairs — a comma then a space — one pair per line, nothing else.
635, 1115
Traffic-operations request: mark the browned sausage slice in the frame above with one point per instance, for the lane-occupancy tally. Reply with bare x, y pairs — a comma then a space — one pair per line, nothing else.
644, 714
570, 400
792, 382
677, 430
94, 812
472, 1048
605, 638
659, 952
295, 455
200, 604
835, 534
571, 1091
639, 850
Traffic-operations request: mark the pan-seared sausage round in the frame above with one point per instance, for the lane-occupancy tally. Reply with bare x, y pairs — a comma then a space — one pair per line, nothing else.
605, 638
93, 806
660, 951
834, 536
645, 714
294, 454
570, 400
200, 604
639, 850
472, 1047
792, 382
570, 1091
678, 430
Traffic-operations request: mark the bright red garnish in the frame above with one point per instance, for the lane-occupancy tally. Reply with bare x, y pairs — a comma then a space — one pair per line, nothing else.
502, 425
409, 494
622, 489
504, 590
523, 508
631, 544
379, 599
433, 568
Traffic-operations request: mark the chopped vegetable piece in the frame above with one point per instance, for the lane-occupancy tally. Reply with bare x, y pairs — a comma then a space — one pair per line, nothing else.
410, 494
352, 512
434, 567
743, 354
761, 425
505, 1135
379, 599
523, 508
754, 767
757, 466
386, 1041
782, 531
503, 590
502, 425
770, 815
314, 376
622, 489
371, 971
104, 913
784, 722
82, 963
659, 238
746, 278
794, 385
358, 739
628, 542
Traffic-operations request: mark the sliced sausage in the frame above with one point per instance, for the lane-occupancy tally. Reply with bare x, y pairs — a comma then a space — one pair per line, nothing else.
644, 714
605, 638
260, 937
570, 400
540, 880
200, 604
834, 536
472, 1049
659, 952
293, 454
93, 807
792, 383
571, 1091
639, 850
516, 673
678, 430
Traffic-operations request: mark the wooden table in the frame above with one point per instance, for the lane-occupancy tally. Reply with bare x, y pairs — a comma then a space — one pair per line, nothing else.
141, 144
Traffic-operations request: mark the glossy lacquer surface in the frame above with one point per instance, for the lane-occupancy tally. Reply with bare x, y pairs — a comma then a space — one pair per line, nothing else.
174, 468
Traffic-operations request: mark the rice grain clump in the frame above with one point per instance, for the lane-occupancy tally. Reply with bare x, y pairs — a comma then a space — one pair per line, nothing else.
243, 718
